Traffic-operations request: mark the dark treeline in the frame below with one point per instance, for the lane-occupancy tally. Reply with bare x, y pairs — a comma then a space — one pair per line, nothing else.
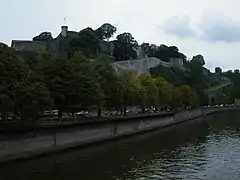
29, 87
33, 82
125, 44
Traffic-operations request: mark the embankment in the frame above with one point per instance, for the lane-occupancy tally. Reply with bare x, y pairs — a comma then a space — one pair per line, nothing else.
93, 132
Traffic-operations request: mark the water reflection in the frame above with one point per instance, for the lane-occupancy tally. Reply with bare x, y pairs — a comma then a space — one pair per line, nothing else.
207, 148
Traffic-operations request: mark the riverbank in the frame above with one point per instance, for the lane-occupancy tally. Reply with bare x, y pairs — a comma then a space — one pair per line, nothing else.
56, 123
94, 132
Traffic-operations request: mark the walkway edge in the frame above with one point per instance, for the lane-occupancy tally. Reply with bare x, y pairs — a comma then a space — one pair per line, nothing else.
64, 147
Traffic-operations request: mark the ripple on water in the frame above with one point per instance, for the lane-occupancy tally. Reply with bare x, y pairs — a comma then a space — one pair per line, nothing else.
216, 158
205, 149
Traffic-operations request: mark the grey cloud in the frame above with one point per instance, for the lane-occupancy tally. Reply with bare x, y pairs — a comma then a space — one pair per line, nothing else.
178, 27
217, 27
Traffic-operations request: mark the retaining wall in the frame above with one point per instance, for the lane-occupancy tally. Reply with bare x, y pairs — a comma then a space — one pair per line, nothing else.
92, 133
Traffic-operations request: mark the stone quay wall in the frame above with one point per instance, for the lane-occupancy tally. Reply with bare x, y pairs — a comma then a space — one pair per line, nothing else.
59, 140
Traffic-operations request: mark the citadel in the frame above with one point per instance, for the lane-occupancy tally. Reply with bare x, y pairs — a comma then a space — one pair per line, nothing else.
60, 45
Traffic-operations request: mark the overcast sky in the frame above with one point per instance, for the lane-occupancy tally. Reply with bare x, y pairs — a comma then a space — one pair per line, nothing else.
208, 27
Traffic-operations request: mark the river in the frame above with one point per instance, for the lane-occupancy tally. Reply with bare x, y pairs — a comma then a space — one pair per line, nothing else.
206, 148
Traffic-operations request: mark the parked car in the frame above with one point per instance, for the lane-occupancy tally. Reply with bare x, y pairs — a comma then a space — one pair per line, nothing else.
84, 112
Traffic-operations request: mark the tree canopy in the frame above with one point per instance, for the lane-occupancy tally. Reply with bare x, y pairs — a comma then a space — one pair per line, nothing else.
218, 70
106, 31
86, 42
32, 82
162, 52
125, 47
67, 84
44, 36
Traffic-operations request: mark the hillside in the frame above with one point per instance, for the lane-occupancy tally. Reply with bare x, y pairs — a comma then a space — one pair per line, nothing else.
178, 76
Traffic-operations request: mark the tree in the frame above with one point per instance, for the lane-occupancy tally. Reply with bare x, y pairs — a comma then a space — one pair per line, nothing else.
198, 59
125, 47
30, 58
164, 91
151, 89
81, 85
187, 96
173, 75
12, 73
176, 100
235, 78
44, 36
127, 38
140, 97
184, 96
70, 82
127, 86
218, 70
236, 71
162, 52
21, 92
152, 50
105, 81
196, 76
196, 70
106, 31
146, 48
30, 99
173, 49
86, 42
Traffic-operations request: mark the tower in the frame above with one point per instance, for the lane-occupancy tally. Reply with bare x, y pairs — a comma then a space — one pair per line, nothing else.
64, 31
64, 28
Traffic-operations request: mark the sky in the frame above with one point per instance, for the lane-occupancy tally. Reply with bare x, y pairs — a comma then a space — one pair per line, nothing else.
207, 27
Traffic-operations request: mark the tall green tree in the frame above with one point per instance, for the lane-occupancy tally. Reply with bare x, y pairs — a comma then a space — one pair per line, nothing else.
12, 73
151, 89
164, 91
162, 52
86, 42
105, 81
188, 96
127, 85
146, 48
218, 70
176, 100
81, 84
125, 47
140, 95
196, 70
31, 98
106, 31
21, 92
70, 81
44, 36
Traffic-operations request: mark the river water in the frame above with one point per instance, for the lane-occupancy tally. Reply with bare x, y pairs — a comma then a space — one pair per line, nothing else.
207, 148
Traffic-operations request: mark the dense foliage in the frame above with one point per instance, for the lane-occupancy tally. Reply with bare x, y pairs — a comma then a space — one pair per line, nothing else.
44, 36
235, 78
29, 87
32, 82
162, 52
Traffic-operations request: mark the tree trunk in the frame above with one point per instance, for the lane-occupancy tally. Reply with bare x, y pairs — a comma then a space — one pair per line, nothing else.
124, 110
99, 113
60, 113
143, 110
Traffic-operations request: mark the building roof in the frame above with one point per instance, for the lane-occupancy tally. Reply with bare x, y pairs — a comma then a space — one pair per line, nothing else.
70, 34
